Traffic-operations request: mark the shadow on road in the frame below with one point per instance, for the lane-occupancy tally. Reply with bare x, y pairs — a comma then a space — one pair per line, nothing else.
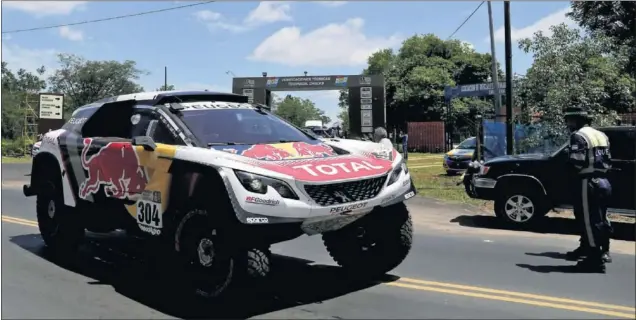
550, 269
296, 283
552, 225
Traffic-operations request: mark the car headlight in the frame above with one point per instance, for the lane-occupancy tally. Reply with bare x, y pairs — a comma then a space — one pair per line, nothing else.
258, 184
402, 167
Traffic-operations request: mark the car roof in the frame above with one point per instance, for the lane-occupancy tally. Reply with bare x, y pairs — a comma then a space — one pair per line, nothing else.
153, 98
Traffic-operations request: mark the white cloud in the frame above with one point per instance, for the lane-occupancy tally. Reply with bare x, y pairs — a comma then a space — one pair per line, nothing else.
264, 13
45, 8
469, 45
269, 12
71, 34
29, 59
331, 45
332, 3
542, 25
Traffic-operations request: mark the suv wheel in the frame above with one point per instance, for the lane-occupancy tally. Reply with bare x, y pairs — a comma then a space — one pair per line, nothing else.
521, 206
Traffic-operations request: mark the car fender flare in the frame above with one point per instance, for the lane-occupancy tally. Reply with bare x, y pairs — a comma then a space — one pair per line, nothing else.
39, 167
524, 176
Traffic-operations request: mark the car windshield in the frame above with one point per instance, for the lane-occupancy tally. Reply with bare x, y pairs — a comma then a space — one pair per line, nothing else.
240, 126
470, 143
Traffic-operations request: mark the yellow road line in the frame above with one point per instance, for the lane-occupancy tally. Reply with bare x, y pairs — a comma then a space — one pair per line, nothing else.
477, 292
24, 222
518, 294
515, 300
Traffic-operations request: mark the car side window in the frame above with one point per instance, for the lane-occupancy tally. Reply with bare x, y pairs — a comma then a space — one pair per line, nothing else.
140, 121
622, 146
161, 133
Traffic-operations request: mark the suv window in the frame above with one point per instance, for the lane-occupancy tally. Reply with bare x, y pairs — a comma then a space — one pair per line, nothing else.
110, 120
622, 145
78, 119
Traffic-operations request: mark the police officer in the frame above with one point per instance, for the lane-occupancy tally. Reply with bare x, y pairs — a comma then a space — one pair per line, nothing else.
590, 158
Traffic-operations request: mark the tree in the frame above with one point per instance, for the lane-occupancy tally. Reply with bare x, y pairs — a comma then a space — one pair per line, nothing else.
615, 20
170, 87
573, 68
17, 90
83, 81
297, 111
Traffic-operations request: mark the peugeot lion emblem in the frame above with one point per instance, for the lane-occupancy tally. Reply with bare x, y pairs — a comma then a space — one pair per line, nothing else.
343, 197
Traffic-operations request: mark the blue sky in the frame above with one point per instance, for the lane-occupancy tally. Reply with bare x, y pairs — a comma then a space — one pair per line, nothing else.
200, 44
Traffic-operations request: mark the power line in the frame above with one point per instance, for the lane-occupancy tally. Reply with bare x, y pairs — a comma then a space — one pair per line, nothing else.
109, 18
468, 18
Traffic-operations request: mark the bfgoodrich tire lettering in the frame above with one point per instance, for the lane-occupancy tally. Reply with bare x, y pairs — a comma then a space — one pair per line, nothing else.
375, 244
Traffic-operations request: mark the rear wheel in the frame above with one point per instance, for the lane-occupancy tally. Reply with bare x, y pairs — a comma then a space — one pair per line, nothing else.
375, 244
521, 206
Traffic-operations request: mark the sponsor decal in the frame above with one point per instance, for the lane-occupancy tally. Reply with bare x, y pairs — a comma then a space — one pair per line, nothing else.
116, 166
135, 118
341, 81
335, 169
266, 152
48, 140
409, 195
150, 212
230, 150
406, 182
257, 200
285, 151
254, 220
348, 208
272, 82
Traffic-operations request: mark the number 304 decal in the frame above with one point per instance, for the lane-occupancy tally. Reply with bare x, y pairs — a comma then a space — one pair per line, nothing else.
149, 215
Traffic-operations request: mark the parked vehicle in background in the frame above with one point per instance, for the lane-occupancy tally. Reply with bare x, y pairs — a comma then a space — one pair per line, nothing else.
526, 187
457, 160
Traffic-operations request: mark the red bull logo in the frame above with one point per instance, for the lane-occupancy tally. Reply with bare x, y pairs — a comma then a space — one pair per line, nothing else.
115, 166
312, 150
266, 152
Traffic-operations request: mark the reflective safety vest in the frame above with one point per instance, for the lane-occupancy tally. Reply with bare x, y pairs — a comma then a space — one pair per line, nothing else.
590, 152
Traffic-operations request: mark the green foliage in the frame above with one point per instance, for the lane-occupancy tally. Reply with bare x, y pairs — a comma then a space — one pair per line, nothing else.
573, 68
17, 147
615, 20
297, 111
170, 87
18, 89
84, 81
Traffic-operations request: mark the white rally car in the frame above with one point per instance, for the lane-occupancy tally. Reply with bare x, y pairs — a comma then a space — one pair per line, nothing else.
213, 181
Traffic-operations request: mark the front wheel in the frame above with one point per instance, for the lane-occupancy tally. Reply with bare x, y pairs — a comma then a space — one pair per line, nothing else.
61, 230
375, 244
521, 206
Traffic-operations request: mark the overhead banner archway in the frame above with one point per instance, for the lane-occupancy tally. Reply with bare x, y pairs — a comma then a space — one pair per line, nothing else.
367, 108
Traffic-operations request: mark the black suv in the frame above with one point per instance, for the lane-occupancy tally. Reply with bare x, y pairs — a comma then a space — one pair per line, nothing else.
526, 187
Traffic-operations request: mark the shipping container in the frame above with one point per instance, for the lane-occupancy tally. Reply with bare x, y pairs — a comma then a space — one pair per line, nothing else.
426, 136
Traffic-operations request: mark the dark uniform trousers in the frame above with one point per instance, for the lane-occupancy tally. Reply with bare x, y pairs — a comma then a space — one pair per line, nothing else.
590, 211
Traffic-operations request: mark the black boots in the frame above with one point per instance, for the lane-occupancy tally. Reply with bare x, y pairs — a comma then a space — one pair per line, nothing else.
583, 252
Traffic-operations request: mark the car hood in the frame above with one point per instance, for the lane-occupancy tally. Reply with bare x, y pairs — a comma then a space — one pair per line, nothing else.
318, 161
518, 158
461, 152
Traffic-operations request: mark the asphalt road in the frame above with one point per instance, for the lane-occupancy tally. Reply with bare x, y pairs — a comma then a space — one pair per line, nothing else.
452, 272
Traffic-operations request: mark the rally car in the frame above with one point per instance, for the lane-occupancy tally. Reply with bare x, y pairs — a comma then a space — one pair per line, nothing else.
211, 181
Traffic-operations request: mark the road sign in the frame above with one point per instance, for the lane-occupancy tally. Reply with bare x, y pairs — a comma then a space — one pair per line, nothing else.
51, 106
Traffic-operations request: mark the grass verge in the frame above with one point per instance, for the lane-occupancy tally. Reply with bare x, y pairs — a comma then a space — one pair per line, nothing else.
431, 181
16, 160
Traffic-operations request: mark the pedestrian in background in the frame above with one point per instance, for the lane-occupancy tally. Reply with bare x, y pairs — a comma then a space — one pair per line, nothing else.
380, 136
405, 144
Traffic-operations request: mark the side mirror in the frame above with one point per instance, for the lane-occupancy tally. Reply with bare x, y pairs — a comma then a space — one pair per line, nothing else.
144, 141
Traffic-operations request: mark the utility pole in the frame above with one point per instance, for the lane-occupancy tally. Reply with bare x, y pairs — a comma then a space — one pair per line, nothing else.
509, 136
499, 112
165, 78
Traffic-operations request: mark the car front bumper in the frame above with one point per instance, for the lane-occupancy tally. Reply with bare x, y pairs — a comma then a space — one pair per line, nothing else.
456, 165
482, 188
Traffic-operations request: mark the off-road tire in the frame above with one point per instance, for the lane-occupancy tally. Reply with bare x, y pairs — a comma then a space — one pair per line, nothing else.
535, 195
389, 229
193, 227
258, 263
60, 226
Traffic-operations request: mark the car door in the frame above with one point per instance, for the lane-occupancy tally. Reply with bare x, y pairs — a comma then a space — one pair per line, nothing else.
153, 200
621, 176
